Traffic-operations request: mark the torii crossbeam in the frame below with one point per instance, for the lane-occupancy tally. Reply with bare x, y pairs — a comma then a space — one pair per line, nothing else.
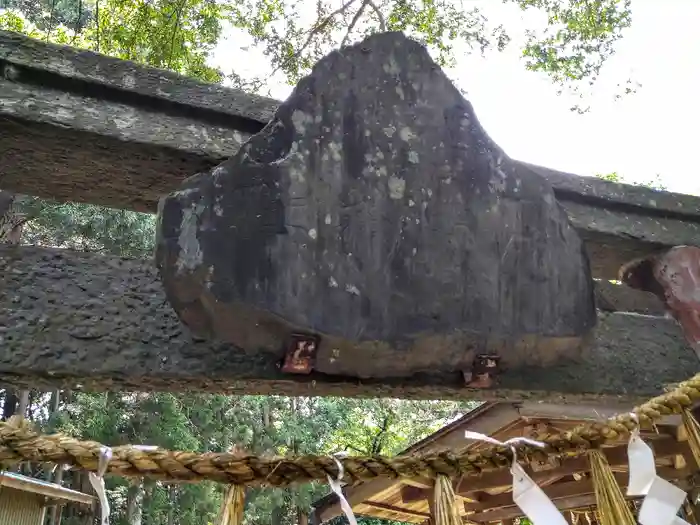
80, 126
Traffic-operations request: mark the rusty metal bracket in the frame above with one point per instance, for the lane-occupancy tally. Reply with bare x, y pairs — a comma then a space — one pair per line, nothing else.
483, 371
300, 356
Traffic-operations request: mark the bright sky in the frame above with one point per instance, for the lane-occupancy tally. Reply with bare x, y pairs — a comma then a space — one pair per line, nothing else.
640, 136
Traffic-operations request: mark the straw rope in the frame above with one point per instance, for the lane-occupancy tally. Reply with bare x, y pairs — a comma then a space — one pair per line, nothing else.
18, 443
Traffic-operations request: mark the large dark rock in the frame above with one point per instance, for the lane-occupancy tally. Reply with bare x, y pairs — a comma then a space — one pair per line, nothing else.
374, 211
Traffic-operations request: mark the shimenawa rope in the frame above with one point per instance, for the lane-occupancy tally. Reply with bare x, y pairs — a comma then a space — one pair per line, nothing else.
18, 443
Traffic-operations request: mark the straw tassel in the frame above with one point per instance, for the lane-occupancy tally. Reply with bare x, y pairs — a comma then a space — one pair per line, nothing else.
692, 428
445, 507
611, 502
233, 505
231, 512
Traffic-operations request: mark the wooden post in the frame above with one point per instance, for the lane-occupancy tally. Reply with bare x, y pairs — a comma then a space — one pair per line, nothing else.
430, 494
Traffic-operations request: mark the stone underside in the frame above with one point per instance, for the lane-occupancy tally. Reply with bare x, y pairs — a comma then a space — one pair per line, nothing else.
375, 212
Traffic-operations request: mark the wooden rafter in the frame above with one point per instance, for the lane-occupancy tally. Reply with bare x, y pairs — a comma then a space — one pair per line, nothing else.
487, 497
566, 494
397, 510
616, 456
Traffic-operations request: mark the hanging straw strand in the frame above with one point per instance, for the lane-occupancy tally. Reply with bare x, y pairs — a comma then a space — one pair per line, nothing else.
445, 502
692, 428
611, 502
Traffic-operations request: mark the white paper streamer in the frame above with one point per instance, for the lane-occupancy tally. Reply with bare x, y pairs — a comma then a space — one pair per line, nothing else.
532, 500
661, 504
335, 487
145, 448
529, 497
98, 484
642, 468
662, 500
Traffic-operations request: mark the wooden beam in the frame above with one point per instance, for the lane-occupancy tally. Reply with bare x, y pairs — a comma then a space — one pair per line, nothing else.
112, 132
566, 489
397, 510
616, 456
356, 496
556, 491
81, 321
49, 490
555, 413
565, 496
128, 133
467, 487
487, 419
573, 502
411, 494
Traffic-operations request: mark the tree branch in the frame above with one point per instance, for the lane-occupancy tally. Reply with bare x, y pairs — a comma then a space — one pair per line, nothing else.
380, 16
176, 26
313, 32
354, 22
377, 441
359, 451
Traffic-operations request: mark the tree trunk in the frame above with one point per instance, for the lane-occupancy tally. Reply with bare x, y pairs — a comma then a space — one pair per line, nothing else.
302, 517
266, 416
55, 402
277, 515
172, 498
149, 486
74, 512
10, 406
11, 220
56, 510
23, 404
134, 503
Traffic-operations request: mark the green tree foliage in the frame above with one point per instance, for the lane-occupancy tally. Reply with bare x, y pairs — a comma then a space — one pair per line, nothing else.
87, 227
169, 34
656, 183
388, 426
179, 34
264, 425
579, 38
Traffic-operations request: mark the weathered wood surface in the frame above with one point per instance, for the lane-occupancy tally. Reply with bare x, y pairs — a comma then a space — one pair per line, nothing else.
141, 131
76, 320
387, 223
